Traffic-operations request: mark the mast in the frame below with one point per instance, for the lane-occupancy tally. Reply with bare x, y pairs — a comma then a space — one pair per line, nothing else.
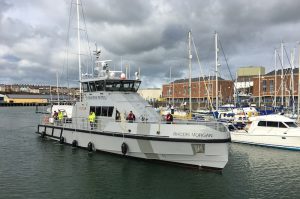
259, 89
170, 85
173, 93
57, 88
190, 74
79, 50
216, 51
275, 64
236, 90
282, 73
292, 80
298, 106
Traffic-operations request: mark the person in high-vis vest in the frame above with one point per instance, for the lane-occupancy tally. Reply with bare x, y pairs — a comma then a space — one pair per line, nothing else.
60, 117
92, 119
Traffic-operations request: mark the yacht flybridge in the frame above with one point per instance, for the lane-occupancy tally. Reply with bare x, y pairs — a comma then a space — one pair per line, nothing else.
112, 97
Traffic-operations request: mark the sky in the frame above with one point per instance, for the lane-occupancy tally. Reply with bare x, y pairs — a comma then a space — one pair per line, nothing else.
38, 37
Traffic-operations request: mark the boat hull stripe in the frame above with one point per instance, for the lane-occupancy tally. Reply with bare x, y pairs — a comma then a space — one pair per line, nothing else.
140, 136
269, 145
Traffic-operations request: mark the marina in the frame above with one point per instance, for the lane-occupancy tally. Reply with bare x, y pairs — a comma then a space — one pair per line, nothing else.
32, 167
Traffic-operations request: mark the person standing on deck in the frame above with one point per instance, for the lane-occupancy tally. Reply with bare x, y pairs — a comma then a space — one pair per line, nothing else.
92, 118
130, 117
60, 117
169, 118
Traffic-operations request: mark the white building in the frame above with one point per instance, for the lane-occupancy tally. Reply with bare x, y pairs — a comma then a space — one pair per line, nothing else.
150, 94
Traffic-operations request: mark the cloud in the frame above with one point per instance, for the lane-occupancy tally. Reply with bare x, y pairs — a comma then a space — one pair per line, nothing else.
150, 35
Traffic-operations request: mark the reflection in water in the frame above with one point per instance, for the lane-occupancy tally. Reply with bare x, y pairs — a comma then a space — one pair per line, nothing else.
32, 167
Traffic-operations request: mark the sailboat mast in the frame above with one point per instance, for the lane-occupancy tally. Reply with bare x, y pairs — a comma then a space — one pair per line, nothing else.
259, 89
282, 74
79, 50
292, 80
170, 85
57, 92
298, 106
190, 74
216, 49
275, 64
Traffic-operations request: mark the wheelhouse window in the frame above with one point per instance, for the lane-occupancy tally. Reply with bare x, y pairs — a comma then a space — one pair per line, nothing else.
291, 124
85, 87
111, 85
92, 86
104, 111
99, 85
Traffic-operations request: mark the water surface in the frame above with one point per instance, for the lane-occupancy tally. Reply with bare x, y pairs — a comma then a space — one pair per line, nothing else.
31, 167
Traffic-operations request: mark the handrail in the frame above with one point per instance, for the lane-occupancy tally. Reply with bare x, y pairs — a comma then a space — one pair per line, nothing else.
83, 123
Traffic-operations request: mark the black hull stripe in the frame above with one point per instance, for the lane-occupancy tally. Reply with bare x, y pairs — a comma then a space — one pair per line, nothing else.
136, 136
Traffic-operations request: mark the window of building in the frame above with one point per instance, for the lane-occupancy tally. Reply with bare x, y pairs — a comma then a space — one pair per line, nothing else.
271, 86
264, 85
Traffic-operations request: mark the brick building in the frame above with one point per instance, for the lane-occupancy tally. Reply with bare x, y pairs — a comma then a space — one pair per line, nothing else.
271, 83
203, 90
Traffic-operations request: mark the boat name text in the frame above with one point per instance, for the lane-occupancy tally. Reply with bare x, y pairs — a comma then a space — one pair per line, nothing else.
197, 135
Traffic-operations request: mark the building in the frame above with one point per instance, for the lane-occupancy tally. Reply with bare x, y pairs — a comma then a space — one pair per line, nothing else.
38, 99
276, 88
244, 83
2, 88
203, 91
17, 98
150, 94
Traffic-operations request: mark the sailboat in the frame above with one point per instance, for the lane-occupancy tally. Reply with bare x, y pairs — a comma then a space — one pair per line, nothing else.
111, 96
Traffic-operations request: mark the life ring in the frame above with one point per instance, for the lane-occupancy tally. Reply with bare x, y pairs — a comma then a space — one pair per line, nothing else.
61, 140
74, 143
90, 147
124, 148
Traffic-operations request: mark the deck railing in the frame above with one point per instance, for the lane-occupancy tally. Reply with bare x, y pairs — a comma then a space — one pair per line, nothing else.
98, 125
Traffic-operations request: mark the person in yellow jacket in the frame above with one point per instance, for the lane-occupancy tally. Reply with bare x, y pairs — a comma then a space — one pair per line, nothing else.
60, 117
92, 119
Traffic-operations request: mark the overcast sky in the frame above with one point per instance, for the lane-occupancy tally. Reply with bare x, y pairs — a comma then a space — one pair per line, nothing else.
150, 34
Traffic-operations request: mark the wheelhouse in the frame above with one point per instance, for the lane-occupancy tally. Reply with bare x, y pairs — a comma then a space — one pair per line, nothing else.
111, 85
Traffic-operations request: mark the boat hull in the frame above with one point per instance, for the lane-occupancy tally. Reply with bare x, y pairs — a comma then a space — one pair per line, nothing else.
276, 141
189, 152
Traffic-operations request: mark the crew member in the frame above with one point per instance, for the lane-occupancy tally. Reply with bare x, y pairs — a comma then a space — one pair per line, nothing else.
169, 118
92, 118
60, 117
130, 117
55, 115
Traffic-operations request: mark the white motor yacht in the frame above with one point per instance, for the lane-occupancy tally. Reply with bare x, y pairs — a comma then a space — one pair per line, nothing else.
270, 130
